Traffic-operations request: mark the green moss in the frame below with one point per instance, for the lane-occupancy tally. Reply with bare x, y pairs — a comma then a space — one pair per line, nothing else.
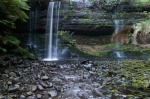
138, 73
133, 77
94, 54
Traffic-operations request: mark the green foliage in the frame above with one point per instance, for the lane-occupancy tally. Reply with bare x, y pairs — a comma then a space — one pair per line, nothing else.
10, 45
10, 12
142, 1
13, 9
65, 37
105, 5
23, 52
2, 50
10, 40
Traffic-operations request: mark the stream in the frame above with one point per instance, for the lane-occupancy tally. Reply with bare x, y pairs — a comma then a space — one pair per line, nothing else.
71, 79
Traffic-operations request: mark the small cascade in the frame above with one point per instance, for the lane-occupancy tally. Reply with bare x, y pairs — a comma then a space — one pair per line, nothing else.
119, 54
118, 27
51, 37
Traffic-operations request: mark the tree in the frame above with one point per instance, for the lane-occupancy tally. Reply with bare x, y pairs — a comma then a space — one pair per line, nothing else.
10, 11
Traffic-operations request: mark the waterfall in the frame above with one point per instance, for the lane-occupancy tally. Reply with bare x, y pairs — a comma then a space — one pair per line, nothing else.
118, 27
119, 54
51, 37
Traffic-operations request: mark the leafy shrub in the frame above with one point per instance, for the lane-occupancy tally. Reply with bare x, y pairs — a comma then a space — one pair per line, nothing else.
65, 37
23, 52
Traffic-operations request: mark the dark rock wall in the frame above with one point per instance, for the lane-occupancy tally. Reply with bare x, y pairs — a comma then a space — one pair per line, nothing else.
38, 13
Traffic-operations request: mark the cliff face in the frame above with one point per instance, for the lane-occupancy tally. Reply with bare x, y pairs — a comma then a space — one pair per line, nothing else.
74, 18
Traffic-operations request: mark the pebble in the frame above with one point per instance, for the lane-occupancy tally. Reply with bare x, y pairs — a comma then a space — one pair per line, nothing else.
39, 96
31, 97
34, 88
50, 84
22, 97
15, 80
2, 97
44, 84
29, 93
88, 66
58, 88
52, 93
4, 76
12, 74
44, 77
40, 88
9, 83
13, 88
39, 76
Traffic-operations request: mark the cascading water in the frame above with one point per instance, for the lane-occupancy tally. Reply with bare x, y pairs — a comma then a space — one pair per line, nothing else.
51, 37
118, 26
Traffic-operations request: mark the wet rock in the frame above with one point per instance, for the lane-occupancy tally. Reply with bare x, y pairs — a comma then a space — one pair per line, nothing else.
95, 64
29, 93
7, 71
40, 88
44, 84
39, 76
44, 78
13, 88
42, 63
35, 63
88, 66
14, 96
52, 93
82, 95
39, 96
6, 58
17, 62
4, 76
97, 92
3, 86
12, 74
22, 97
85, 62
58, 88
9, 83
31, 97
49, 84
15, 80
53, 65
43, 72
26, 70
73, 55
2, 97
33, 88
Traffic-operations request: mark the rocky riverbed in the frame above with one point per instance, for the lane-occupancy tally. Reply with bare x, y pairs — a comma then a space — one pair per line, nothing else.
71, 79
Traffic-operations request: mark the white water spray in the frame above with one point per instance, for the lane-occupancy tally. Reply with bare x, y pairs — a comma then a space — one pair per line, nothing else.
52, 31
118, 27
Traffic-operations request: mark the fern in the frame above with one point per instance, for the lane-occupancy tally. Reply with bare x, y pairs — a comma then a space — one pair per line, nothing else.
11, 40
13, 8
